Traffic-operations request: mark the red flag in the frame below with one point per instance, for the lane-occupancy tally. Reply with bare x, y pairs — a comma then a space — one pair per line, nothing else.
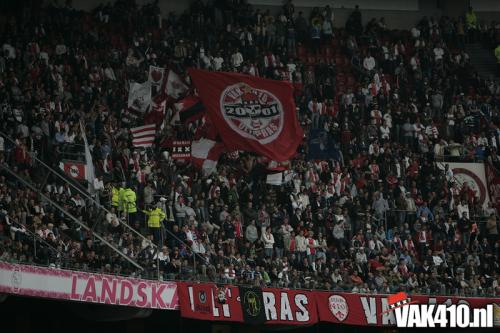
188, 109
251, 113
205, 154
157, 113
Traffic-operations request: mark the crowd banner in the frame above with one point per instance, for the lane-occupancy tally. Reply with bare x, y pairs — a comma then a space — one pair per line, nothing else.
207, 301
289, 307
62, 284
471, 175
244, 304
371, 310
493, 181
251, 113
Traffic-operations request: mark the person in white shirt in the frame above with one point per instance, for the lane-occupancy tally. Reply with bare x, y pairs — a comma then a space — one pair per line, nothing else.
300, 246
98, 184
217, 62
190, 212
198, 247
268, 240
163, 256
61, 49
109, 73
385, 131
111, 217
206, 59
438, 53
462, 208
286, 231
11, 51
415, 32
369, 63
236, 59
414, 62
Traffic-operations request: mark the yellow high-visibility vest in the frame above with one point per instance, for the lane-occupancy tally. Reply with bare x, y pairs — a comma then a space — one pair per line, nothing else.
155, 217
129, 201
121, 199
114, 197
471, 19
497, 53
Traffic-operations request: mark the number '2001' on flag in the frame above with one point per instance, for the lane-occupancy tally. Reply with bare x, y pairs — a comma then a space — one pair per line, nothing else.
251, 113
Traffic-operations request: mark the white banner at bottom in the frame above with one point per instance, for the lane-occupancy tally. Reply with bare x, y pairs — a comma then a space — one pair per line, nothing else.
63, 284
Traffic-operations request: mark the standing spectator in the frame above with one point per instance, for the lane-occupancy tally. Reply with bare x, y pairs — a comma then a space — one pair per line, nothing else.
268, 240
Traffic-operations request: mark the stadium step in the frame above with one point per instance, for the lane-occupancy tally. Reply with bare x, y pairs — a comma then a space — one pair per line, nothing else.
482, 59
100, 210
27, 184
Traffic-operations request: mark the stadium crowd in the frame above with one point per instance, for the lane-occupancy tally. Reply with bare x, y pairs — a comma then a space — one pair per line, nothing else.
383, 216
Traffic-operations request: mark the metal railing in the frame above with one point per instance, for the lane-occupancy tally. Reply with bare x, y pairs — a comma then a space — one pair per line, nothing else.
102, 210
66, 180
68, 214
23, 229
179, 276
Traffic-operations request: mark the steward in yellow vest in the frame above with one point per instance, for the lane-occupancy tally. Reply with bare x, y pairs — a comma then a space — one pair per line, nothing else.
155, 216
121, 201
129, 201
114, 197
471, 19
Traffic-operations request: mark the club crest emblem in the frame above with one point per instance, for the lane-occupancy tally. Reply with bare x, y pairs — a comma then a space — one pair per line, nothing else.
338, 306
253, 113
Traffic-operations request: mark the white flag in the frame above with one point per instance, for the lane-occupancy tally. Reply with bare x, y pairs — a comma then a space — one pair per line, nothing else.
275, 178
139, 96
175, 87
89, 165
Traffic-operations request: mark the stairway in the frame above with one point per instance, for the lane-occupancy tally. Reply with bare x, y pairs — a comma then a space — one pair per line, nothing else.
482, 59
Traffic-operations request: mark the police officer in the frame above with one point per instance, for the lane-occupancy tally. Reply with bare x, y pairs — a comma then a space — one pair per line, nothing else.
121, 201
114, 197
155, 218
130, 204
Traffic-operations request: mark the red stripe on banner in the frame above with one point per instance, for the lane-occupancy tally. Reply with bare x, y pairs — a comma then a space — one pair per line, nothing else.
144, 135
143, 128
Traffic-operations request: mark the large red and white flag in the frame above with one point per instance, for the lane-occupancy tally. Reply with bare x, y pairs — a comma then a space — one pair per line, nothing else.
143, 136
205, 154
251, 113
175, 86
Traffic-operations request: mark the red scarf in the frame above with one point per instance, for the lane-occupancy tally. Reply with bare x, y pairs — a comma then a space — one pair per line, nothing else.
312, 250
238, 229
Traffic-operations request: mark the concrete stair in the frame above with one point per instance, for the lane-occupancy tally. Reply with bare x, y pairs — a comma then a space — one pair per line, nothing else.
482, 59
